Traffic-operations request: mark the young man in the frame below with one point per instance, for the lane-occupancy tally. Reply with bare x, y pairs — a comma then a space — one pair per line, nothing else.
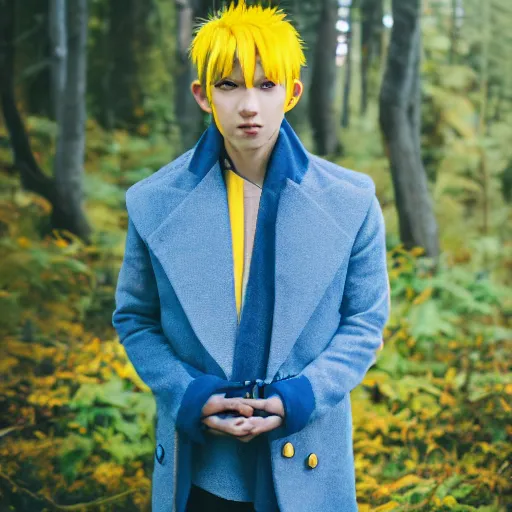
254, 291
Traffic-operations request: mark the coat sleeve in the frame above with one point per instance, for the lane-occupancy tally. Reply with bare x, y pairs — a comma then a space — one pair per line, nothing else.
364, 309
137, 321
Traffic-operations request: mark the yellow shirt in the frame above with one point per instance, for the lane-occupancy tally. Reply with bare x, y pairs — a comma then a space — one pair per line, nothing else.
243, 202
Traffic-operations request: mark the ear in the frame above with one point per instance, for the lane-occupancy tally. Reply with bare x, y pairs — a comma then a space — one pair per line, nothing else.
200, 96
298, 89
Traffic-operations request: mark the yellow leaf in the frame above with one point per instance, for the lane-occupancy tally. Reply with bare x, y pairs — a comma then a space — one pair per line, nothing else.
486, 447
6, 363
84, 379
65, 375
449, 501
450, 374
391, 505
6, 430
24, 242
43, 204
417, 251
431, 447
506, 407
423, 296
447, 399
61, 243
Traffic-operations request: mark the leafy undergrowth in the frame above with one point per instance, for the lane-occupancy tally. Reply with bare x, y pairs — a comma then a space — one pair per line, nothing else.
432, 418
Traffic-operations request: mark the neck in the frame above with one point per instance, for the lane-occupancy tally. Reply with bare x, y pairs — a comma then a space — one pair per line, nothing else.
252, 164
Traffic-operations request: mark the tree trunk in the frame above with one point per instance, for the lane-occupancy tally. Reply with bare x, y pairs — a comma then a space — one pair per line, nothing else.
125, 43
71, 139
371, 34
188, 114
58, 52
33, 56
400, 124
304, 16
32, 178
323, 82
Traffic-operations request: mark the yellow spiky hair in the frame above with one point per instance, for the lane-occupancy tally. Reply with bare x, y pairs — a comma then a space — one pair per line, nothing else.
241, 32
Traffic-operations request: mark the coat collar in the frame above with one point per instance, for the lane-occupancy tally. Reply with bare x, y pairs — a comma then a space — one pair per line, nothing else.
194, 247
289, 158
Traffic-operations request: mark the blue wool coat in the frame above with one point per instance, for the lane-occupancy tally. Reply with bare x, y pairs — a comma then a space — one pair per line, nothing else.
176, 314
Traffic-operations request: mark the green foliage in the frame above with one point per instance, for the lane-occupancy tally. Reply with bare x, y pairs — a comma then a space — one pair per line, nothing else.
433, 416
466, 123
78, 420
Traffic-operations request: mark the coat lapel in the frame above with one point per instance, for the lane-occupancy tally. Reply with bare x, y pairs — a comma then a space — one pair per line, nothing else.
310, 248
193, 245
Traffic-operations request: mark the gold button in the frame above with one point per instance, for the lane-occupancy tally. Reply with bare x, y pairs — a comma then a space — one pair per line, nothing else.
288, 450
312, 460
247, 395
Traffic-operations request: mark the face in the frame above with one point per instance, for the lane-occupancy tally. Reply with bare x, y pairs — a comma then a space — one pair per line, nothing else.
248, 118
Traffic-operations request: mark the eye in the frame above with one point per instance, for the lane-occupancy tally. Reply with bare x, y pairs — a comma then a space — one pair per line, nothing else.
225, 85
268, 84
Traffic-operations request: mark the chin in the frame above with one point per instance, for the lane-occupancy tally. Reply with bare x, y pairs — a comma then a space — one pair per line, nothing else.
244, 144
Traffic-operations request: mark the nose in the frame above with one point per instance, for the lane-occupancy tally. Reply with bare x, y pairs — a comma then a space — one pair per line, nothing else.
248, 106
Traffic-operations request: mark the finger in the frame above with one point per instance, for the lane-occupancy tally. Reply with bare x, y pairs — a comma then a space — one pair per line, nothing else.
236, 404
275, 405
272, 405
261, 425
213, 404
234, 426
220, 404
255, 403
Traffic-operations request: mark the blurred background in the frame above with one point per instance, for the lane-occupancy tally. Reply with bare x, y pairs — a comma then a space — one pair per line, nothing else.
418, 95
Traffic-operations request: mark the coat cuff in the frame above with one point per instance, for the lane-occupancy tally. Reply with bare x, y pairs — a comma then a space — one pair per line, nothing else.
196, 395
298, 400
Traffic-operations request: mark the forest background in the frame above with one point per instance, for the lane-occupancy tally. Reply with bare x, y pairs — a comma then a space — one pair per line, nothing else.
418, 95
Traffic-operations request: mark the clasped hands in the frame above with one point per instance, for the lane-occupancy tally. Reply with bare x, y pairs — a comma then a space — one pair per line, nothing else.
241, 422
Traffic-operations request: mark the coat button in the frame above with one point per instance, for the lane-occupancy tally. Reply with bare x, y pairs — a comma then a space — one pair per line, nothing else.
312, 461
288, 450
160, 453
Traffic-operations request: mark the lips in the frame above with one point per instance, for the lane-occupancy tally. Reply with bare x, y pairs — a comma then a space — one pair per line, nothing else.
250, 129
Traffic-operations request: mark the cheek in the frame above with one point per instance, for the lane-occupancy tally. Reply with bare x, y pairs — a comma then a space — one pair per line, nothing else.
275, 109
225, 110
273, 104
